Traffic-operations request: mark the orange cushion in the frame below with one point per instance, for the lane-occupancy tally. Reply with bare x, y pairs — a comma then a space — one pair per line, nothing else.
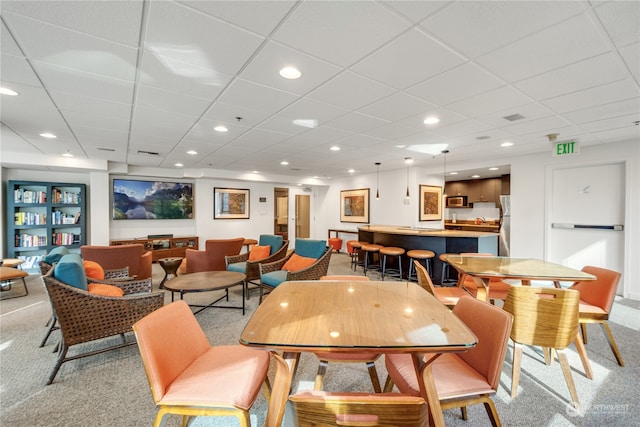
297, 263
93, 270
259, 252
105, 290
183, 267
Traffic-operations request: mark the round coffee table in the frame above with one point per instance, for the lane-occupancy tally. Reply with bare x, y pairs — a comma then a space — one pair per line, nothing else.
170, 267
207, 281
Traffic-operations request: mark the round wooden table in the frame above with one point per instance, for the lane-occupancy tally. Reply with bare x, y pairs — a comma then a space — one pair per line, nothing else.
207, 281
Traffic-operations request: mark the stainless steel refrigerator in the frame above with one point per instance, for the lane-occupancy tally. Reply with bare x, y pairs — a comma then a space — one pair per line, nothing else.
505, 225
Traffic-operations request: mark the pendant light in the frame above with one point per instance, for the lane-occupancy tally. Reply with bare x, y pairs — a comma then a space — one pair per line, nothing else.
408, 161
378, 180
444, 170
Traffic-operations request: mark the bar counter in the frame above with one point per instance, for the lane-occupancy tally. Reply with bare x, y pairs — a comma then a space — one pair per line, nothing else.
437, 240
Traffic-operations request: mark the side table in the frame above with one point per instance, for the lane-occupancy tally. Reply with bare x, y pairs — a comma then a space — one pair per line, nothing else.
170, 267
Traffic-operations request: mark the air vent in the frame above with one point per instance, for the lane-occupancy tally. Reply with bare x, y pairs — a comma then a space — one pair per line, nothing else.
295, 169
514, 117
148, 153
106, 149
483, 137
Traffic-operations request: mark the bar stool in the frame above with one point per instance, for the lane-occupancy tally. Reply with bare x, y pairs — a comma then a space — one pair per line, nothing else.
353, 248
391, 251
419, 254
370, 250
445, 279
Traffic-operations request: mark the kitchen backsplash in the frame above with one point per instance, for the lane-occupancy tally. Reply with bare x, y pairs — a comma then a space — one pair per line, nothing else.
488, 211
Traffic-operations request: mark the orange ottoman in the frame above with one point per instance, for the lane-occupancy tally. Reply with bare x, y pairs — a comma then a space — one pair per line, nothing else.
336, 244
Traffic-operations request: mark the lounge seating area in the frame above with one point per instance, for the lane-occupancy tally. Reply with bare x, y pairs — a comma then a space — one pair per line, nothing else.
123, 368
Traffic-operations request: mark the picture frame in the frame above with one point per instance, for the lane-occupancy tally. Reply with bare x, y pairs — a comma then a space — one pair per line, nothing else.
230, 203
430, 203
354, 205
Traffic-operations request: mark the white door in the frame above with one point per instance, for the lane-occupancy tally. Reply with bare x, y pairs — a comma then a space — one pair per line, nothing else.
587, 206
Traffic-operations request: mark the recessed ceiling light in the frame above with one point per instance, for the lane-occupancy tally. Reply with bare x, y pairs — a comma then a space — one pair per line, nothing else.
493, 169
220, 128
431, 120
307, 123
255, 171
453, 173
67, 154
179, 165
290, 73
506, 144
48, 135
351, 171
7, 91
284, 163
335, 148
408, 160
475, 176
192, 152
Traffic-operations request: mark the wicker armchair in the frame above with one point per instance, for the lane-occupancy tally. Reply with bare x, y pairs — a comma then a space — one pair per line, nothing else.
251, 268
313, 272
85, 317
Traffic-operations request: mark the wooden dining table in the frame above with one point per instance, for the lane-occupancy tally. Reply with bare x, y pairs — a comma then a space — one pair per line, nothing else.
484, 268
353, 317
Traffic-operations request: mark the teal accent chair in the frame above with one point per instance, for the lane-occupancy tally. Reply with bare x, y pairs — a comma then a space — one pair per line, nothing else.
241, 264
271, 274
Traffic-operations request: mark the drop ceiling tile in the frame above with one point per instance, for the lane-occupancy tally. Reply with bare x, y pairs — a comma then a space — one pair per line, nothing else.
80, 119
90, 85
69, 102
478, 27
222, 112
93, 137
325, 133
264, 69
571, 41
461, 82
416, 11
73, 50
467, 127
621, 20
397, 106
15, 69
282, 124
593, 96
261, 16
489, 102
96, 18
531, 111
613, 123
343, 32
168, 73
539, 126
158, 99
407, 60
391, 131
582, 75
351, 91
308, 109
258, 97
631, 56
605, 111
259, 138
177, 32
356, 122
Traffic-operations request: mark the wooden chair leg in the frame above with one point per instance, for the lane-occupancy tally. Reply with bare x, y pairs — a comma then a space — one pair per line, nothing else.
322, 370
388, 385
515, 369
463, 412
373, 373
492, 413
612, 342
582, 352
566, 370
583, 329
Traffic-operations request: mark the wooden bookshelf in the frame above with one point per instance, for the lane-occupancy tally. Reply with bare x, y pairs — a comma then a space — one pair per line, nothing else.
163, 247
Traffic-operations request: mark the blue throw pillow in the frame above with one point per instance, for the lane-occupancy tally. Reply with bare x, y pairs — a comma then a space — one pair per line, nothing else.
272, 240
310, 248
70, 271
55, 254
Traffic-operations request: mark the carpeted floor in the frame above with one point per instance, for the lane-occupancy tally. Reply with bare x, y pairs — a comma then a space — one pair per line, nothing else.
111, 389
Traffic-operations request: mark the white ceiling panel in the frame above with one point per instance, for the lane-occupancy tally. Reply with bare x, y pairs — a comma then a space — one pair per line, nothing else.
372, 71
392, 66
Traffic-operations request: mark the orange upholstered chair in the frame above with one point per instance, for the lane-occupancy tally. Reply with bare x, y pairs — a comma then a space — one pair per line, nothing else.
448, 296
468, 378
367, 358
120, 256
596, 299
213, 256
190, 377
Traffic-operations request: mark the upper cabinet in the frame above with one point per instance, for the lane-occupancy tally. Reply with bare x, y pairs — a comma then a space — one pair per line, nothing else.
478, 190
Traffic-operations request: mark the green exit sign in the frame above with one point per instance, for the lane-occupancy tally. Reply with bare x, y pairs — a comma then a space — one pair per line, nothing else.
566, 148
